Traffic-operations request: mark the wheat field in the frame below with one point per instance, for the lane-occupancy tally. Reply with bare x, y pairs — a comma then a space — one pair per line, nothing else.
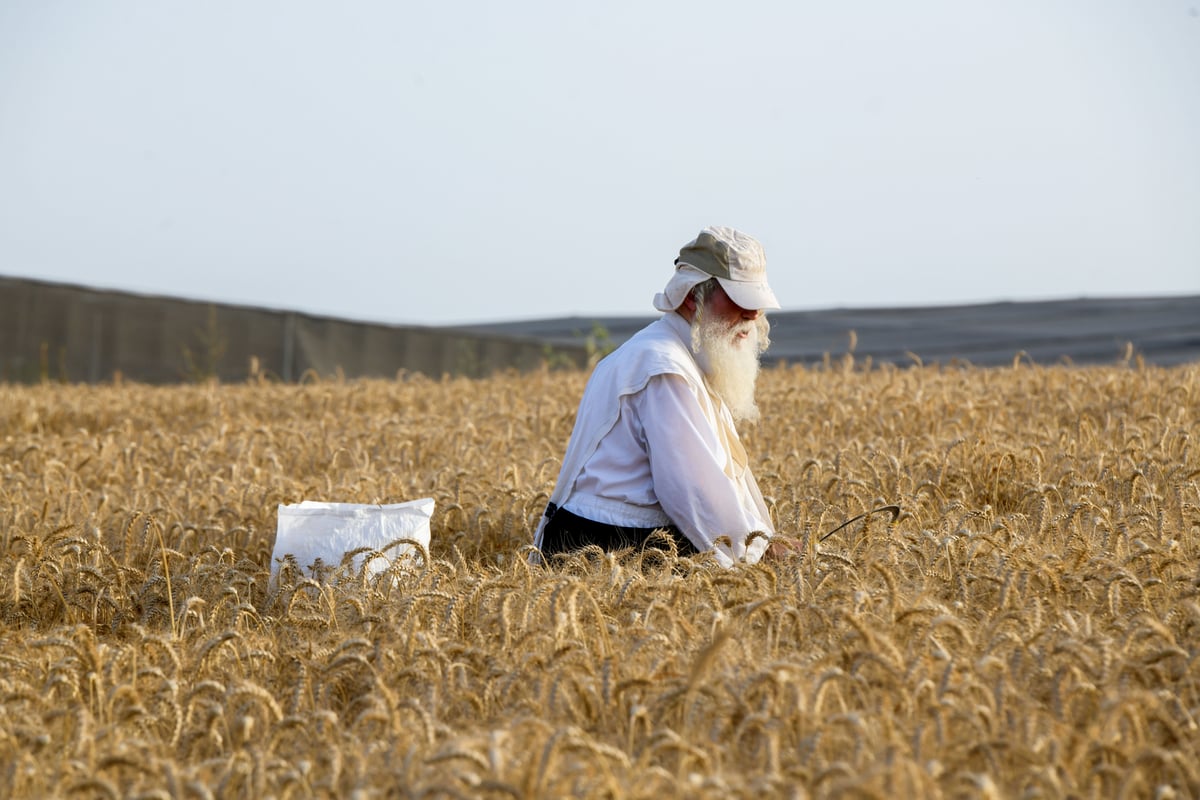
1028, 627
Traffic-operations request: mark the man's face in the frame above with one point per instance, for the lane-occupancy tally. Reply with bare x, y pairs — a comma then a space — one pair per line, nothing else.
736, 318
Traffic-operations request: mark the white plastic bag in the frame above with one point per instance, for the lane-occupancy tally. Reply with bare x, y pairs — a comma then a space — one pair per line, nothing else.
327, 531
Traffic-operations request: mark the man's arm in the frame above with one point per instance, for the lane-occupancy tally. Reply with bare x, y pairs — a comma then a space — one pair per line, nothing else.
688, 462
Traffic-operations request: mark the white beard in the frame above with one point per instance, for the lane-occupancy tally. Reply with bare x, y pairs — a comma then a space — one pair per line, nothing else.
730, 362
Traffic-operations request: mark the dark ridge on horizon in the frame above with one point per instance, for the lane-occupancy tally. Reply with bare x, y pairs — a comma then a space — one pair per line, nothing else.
1161, 330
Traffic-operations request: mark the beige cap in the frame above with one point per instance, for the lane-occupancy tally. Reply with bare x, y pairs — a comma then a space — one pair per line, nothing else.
734, 258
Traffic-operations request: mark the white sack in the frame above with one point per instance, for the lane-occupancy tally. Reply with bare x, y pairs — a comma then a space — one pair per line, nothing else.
311, 530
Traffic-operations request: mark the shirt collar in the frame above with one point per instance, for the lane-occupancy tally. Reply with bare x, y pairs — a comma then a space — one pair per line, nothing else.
680, 327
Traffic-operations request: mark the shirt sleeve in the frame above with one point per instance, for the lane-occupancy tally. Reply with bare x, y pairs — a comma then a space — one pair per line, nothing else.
687, 464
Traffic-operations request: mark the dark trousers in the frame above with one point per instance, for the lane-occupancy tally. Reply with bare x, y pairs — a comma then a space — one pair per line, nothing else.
565, 532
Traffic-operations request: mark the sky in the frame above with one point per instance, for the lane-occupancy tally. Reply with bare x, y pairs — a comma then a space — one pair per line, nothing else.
444, 162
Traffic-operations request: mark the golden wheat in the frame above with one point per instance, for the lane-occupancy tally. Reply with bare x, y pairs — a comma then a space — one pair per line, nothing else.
1027, 627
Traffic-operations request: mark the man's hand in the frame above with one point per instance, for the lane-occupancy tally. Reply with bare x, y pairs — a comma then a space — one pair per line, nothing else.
782, 547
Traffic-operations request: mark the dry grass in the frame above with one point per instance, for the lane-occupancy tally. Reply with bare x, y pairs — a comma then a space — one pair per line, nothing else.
1028, 628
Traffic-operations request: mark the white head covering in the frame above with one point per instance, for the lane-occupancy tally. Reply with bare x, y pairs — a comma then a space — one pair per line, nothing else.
735, 259
685, 279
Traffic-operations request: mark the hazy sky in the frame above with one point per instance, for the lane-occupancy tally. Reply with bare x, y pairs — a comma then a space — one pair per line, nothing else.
442, 161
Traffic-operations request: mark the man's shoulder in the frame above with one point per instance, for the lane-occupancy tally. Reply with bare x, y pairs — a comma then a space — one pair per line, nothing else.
670, 332
659, 336
656, 349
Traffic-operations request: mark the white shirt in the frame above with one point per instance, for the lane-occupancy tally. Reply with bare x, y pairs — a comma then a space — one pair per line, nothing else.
652, 445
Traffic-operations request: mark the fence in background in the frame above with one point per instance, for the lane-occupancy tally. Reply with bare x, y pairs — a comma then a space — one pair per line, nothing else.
64, 332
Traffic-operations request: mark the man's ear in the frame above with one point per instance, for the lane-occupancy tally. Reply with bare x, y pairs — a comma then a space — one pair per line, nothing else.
687, 309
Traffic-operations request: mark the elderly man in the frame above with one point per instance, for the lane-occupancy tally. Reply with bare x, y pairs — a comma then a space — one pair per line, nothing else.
654, 451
